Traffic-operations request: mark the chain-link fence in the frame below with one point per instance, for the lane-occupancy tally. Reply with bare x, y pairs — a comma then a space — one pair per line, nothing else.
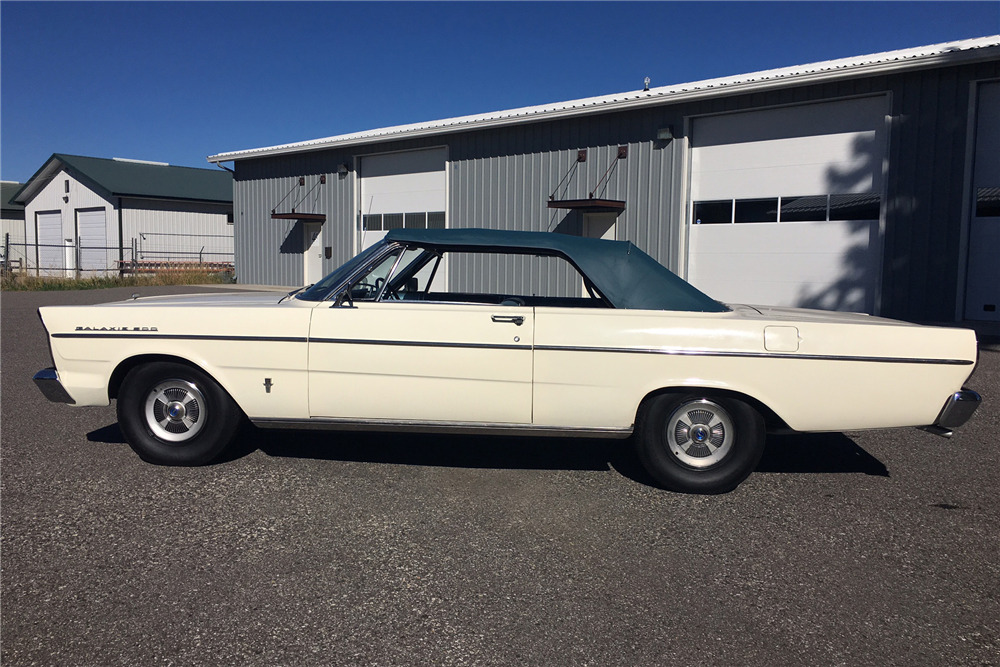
146, 253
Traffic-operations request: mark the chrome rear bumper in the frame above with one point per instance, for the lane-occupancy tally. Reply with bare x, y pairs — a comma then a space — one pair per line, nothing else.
956, 411
48, 382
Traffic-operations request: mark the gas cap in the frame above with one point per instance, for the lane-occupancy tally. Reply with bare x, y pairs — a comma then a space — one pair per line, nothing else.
781, 339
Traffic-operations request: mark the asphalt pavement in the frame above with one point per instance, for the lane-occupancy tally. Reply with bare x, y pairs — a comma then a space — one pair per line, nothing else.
370, 549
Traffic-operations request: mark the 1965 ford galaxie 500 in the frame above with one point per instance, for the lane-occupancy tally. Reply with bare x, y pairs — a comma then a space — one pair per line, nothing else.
471, 330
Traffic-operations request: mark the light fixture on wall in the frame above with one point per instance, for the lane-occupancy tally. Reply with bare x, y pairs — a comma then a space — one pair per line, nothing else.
665, 133
342, 169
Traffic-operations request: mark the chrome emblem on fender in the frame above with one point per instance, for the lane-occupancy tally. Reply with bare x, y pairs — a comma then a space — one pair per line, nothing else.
116, 329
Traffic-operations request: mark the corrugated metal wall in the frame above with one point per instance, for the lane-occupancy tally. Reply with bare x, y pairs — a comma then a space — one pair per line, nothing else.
269, 252
179, 232
924, 257
502, 178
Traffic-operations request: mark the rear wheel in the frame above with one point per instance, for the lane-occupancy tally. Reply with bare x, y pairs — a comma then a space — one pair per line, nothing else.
699, 444
172, 414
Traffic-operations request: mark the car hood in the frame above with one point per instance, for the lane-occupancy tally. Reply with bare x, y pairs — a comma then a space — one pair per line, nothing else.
212, 300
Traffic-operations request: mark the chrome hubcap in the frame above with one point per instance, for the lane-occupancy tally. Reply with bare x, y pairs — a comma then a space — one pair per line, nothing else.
175, 410
700, 433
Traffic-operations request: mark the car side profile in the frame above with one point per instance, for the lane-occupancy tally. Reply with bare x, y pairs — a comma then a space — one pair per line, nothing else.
486, 331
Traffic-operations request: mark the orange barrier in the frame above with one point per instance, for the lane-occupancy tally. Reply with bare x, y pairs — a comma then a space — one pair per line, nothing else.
147, 266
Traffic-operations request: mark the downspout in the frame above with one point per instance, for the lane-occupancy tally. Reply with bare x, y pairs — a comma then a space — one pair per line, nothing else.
121, 240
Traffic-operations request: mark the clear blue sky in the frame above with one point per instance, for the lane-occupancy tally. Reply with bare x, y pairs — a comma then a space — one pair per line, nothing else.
178, 81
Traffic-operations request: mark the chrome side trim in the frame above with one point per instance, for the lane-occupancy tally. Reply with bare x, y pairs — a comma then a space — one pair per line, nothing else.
253, 339
958, 408
471, 428
48, 382
752, 355
419, 343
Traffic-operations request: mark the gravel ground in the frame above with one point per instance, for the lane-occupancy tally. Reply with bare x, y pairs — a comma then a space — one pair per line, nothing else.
365, 549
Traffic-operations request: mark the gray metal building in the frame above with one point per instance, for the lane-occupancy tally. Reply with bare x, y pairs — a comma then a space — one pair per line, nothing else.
866, 184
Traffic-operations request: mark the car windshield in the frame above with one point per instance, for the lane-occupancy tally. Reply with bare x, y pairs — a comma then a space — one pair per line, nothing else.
321, 290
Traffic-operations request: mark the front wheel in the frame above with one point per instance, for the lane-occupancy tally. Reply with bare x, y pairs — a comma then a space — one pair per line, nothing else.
699, 444
172, 414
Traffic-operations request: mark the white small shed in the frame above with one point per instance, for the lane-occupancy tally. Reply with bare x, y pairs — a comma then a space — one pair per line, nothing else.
89, 216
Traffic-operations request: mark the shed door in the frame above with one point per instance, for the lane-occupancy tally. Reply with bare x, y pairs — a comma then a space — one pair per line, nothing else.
51, 248
92, 237
786, 205
982, 298
405, 189
312, 254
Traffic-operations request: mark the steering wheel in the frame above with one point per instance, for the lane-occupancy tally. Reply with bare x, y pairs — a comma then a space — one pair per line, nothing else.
364, 290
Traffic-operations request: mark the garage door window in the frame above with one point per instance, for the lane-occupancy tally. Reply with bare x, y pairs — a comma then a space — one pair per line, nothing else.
713, 212
818, 208
804, 209
385, 221
756, 210
854, 207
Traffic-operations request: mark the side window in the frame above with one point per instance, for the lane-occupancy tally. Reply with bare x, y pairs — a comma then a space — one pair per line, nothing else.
370, 284
495, 278
490, 278
413, 276
538, 278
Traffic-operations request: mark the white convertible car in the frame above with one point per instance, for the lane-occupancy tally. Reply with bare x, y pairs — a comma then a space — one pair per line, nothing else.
481, 331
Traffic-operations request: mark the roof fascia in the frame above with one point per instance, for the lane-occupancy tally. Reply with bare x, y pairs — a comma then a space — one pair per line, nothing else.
48, 172
135, 197
27, 191
773, 79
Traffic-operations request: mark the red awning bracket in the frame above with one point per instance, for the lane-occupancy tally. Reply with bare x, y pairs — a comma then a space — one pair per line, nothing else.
295, 215
592, 203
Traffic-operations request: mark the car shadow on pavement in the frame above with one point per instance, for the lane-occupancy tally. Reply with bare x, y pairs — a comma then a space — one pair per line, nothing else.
795, 453
109, 434
818, 453
455, 451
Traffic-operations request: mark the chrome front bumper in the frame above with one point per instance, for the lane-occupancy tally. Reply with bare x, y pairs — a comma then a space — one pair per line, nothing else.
956, 411
48, 382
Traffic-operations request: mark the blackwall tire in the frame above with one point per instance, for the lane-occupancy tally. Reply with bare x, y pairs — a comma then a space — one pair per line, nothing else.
172, 414
695, 443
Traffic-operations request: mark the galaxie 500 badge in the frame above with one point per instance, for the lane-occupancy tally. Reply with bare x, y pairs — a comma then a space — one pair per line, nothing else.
116, 329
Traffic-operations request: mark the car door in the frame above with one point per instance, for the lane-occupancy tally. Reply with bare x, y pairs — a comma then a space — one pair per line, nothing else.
421, 361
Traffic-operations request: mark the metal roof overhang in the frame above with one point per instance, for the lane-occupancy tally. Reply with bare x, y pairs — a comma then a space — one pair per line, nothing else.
305, 217
589, 205
952, 53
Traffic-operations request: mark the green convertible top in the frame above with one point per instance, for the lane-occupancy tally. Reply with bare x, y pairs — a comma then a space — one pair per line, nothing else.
625, 275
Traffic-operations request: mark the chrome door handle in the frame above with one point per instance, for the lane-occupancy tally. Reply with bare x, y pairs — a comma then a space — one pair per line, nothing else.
510, 319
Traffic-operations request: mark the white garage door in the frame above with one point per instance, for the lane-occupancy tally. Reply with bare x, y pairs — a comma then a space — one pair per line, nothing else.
51, 247
786, 205
92, 236
402, 190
